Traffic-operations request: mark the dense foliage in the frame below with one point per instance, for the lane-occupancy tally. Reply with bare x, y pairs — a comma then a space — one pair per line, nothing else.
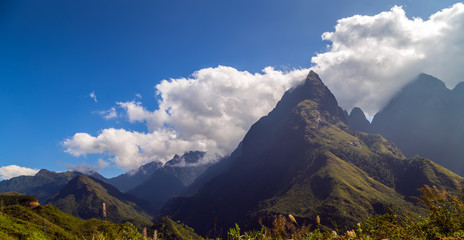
444, 220
12, 198
47, 222
168, 229
18, 220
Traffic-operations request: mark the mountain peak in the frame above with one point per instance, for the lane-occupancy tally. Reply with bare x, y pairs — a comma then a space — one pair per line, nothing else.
315, 91
307, 106
356, 111
190, 157
313, 77
310, 103
357, 120
426, 84
313, 85
459, 88
43, 172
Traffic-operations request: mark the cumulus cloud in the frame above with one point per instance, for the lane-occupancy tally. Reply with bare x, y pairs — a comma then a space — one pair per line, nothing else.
93, 96
87, 168
211, 112
11, 171
370, 58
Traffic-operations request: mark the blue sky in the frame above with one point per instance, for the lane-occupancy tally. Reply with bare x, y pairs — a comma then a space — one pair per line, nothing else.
53, 54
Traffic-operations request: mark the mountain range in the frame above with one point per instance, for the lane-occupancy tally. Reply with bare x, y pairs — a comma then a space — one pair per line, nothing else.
42, 185
156, 183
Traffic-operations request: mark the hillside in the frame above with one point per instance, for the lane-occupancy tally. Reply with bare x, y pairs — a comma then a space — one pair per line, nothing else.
84, 197
42, 185
303, 159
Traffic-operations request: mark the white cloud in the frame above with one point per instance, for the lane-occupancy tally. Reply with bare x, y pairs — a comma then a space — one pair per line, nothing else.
87, 168
136, 113
93, 96
209, 112
108, 114
372, 57
11, 171
131, 149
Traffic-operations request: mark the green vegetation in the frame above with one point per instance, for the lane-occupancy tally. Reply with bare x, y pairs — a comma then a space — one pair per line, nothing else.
443, 220
168, 229
19, 221
47, 222
12, 198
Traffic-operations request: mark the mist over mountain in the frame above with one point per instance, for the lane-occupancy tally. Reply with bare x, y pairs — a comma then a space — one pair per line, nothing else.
185, 168
303, 159
425, 118
171, 179
129, 180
